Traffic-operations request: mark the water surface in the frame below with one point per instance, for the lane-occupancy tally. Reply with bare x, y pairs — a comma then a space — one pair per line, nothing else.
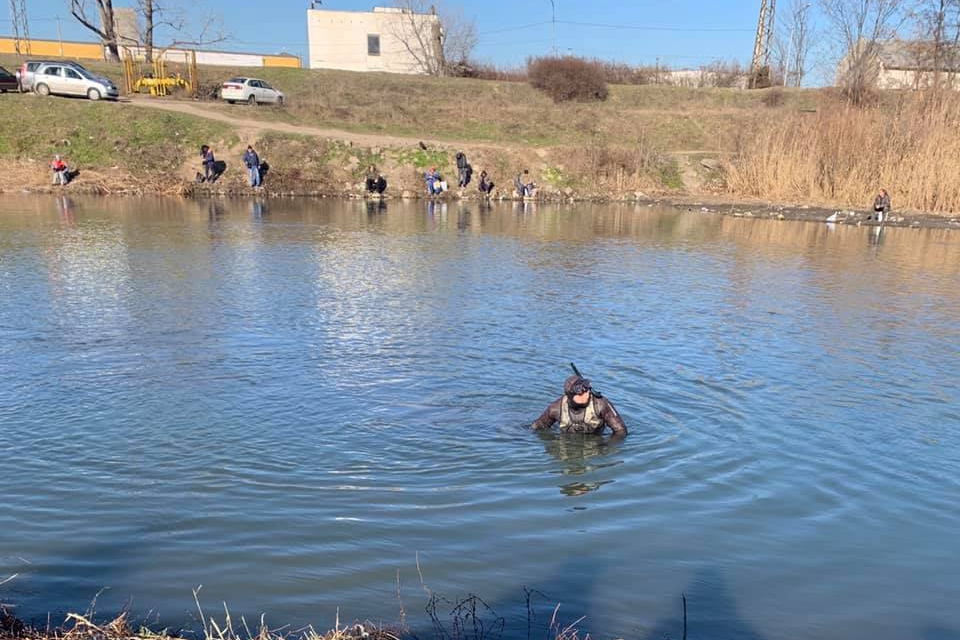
291, 403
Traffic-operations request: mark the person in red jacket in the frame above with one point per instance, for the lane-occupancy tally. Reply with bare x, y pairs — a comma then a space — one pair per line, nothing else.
59, 168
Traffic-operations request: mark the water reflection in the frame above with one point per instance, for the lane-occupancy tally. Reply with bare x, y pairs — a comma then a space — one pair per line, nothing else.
581, 454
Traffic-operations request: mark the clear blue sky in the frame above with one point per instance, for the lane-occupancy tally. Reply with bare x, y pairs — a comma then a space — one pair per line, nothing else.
682, 33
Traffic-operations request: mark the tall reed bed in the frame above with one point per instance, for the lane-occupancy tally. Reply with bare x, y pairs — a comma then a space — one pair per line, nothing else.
842, 154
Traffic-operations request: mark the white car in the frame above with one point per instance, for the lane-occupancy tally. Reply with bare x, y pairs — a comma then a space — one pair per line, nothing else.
250, 90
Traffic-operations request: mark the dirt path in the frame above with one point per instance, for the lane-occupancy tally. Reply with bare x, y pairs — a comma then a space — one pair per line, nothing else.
250, 125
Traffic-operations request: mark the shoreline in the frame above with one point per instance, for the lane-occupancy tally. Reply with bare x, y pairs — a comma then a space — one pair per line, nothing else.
715, 204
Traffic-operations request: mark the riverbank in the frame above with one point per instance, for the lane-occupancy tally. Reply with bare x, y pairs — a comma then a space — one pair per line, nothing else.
148, 147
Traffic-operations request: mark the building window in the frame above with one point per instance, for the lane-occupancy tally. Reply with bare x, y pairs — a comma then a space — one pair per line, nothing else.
373, 44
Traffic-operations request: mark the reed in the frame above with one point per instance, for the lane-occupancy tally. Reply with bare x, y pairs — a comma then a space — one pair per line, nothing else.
842, 154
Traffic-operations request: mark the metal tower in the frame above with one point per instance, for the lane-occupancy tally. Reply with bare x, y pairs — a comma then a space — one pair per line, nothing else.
761, 46
21, 28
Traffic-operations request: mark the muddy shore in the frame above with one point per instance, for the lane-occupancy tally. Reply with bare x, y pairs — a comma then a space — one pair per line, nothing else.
709, 204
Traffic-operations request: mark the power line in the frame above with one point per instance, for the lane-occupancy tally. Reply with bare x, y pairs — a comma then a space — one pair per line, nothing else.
644, 28
517, 28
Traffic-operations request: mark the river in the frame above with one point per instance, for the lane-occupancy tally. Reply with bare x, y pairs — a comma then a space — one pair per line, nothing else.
317, 406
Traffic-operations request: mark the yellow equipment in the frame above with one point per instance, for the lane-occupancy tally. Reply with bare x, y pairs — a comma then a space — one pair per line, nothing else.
157, 81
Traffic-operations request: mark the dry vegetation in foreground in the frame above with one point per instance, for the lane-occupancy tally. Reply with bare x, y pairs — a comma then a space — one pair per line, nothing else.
842, 154
469, 618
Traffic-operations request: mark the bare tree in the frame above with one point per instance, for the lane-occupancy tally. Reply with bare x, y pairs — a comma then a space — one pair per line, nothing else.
168, 17
938, 23
860, 27
799, 42
434, 40
107, 32
459, 36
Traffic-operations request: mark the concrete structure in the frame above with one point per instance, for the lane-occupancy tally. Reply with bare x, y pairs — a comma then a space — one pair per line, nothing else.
905, 64
126, 26
385, 39
95, 51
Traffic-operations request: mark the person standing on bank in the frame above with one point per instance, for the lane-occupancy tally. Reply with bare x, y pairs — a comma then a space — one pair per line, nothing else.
581, 410
252, 161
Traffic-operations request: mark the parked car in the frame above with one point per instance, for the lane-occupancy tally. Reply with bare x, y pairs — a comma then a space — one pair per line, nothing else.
67, 80
8, 81
27, 70
250, 90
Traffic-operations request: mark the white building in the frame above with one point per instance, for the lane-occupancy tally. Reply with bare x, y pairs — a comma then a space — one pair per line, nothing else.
385, 39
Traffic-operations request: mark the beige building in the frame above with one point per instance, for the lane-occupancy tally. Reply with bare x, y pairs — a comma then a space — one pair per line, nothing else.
906, 64
385, 39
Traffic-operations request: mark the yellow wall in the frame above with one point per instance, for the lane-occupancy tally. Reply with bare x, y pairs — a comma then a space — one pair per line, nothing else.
93, 51
53, 48
281, 61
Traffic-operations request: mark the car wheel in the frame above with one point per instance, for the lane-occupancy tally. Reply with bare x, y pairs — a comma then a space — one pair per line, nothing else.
252, 100
231, 102
93, 94
42, 89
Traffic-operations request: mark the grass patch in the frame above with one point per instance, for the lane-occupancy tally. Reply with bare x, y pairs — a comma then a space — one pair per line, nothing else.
102, 134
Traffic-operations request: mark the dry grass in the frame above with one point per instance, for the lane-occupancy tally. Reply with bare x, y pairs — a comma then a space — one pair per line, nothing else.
468, 618
843, 154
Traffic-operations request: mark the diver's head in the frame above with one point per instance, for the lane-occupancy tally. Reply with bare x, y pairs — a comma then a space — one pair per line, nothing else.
578, 389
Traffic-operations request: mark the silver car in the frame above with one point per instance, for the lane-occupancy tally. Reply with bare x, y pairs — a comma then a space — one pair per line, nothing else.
27, 71
68, 80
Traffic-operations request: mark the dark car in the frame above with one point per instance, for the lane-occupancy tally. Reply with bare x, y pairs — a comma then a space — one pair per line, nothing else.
8, 81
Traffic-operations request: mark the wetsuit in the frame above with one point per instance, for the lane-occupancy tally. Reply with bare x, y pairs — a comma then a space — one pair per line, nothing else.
591, 418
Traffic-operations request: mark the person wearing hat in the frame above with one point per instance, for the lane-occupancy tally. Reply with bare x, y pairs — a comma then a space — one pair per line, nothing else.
581, 410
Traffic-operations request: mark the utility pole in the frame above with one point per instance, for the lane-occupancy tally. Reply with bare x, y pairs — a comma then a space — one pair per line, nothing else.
761, 46
21, 27
553, 25
59, 36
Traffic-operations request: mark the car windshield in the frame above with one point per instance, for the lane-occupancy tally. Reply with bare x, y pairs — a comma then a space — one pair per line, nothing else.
236, 80
2, 70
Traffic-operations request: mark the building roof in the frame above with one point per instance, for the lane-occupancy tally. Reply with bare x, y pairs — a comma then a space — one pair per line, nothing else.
916, 55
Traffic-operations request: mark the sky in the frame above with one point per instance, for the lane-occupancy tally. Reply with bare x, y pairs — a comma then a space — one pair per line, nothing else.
675, 33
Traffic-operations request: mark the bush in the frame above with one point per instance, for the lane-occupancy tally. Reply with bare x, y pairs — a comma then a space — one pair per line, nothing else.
568, 79
773, 98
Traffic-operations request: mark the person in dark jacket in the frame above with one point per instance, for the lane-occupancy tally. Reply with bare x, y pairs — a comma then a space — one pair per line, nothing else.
486, 185
581, 410
464, 170
376, 182
881, 206
252, 161
209, 162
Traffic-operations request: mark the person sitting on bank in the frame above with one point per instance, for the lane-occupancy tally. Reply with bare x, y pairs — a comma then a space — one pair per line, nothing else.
881, 206
376, 182
524, 184
252, 161
59, 168
581, 410
434, 182
486, 185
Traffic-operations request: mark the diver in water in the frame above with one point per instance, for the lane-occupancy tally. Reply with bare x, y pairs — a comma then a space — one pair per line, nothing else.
581, 410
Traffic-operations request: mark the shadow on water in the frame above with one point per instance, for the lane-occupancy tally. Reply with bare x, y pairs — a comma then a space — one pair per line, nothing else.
711, 613
940, 633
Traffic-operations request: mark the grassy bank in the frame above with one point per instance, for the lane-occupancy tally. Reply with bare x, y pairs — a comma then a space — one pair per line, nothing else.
115, 146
